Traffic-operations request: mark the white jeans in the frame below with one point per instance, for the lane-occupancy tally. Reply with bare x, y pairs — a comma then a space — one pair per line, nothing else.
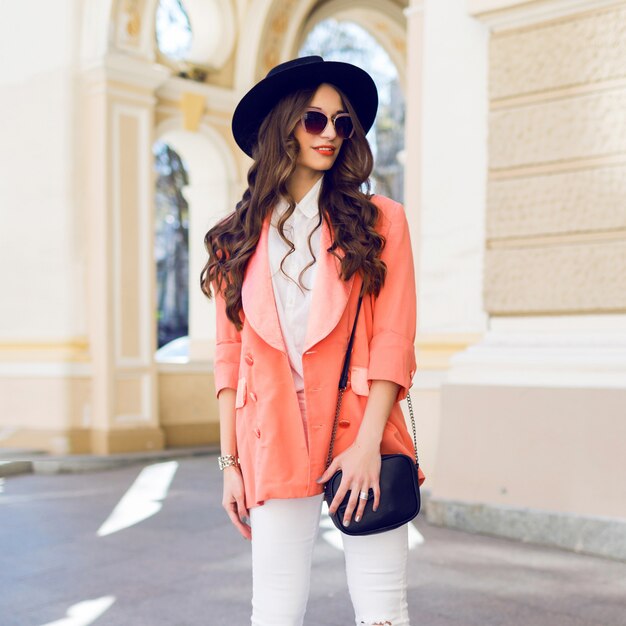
283, 535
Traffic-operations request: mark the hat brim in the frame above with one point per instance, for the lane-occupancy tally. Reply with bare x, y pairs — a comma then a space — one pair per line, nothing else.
252, 109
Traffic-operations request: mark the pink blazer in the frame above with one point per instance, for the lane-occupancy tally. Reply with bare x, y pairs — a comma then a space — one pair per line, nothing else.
271, 445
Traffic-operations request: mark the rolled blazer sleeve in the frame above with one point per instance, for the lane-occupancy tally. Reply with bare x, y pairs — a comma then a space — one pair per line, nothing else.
392, 347
227, 348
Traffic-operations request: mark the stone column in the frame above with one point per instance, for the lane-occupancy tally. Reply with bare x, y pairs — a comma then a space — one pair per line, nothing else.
445, 169
118, 122
413, 125
45, 373
533, 418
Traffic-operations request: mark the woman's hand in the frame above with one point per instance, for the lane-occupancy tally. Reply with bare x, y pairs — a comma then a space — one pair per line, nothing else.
360, 466
360, 463
234, 502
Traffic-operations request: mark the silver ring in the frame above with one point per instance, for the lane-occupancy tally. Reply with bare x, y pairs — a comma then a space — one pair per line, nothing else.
363, 495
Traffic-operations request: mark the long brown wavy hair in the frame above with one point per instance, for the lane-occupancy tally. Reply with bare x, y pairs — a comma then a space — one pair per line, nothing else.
344, 202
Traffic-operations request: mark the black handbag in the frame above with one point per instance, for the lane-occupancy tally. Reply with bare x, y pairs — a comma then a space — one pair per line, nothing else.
399, 485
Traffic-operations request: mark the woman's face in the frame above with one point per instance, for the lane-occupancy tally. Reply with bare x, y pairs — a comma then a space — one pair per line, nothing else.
318, 152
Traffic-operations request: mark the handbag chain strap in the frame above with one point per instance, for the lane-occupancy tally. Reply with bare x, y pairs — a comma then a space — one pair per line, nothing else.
343, 383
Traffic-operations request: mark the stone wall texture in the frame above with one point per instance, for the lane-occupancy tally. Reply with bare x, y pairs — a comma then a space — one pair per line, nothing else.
556, 197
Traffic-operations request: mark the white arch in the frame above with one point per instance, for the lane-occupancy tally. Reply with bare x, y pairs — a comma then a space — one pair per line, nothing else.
213, 32
211, 195
297, 23
370, 15
249, 43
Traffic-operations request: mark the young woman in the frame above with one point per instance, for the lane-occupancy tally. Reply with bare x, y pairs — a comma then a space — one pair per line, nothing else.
286, 269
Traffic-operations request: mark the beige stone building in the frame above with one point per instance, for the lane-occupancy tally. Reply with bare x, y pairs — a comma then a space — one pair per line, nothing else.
515, 170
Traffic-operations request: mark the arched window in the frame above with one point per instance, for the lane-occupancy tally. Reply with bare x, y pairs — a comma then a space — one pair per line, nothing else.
347, 41
173, 29
194, 36
171, 245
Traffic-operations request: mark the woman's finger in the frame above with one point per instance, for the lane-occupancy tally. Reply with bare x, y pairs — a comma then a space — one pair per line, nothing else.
361, 506
352, 503
241, 508
342, 490
244, 529
376, 489
330, 470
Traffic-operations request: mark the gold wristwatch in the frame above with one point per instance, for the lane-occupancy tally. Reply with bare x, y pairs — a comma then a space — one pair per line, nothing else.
227, 460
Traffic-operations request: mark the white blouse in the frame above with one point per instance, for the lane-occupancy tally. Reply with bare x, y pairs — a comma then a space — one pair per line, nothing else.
293, 303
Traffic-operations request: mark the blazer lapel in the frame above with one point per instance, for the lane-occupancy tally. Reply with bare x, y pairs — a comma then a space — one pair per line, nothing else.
257, 294
329, 299
330, 293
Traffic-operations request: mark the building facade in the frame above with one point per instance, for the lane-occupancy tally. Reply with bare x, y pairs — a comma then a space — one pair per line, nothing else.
515, 134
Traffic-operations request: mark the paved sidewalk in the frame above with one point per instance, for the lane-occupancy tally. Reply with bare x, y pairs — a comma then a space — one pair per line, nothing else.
171, 558
15, 461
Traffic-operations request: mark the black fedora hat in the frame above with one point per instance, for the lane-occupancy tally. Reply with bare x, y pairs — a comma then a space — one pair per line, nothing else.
309, 71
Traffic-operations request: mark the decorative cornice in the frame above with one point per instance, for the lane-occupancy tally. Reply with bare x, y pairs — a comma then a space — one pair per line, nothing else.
127, 69
584, 358
39, 369
74, 343
507, 14
436, 350
185, 367
71, 350
600, 536
217, 98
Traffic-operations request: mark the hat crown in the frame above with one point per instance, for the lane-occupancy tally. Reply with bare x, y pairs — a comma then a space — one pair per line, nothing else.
287, 65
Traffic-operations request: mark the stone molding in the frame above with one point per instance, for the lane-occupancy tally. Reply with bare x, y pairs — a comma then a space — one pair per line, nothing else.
571, 358
127, 70
436, 349
507, 14
217, 98
45, 369
599, 536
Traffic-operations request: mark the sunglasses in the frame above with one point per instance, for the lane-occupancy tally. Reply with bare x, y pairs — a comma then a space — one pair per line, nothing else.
315, 122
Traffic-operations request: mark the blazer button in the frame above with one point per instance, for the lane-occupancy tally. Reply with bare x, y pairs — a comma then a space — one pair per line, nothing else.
249, 359
252, 396
344, 423
257, 432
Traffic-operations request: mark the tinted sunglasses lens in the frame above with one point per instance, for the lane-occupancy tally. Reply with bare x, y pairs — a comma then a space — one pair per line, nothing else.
314, 122
344, 126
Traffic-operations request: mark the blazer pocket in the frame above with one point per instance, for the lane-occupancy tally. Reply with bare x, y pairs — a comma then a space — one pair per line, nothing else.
240, 399
358, 380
